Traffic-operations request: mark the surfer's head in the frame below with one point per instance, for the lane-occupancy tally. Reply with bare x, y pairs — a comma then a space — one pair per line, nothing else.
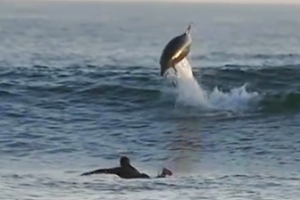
166, 172
124, 161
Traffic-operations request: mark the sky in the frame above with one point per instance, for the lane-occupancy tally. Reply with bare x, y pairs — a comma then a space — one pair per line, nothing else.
199, 1
224, 1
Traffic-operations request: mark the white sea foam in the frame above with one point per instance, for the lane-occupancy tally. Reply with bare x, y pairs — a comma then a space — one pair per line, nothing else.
190, 93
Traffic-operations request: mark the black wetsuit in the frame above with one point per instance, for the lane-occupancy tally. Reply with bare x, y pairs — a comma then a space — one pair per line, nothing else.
126, 171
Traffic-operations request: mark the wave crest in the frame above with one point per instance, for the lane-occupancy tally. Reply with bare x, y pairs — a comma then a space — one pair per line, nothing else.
190, 93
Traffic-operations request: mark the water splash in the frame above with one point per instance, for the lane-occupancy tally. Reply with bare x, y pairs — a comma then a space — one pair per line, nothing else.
190, 93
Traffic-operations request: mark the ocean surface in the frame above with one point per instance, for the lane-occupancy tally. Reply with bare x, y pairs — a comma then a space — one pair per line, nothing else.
80, 86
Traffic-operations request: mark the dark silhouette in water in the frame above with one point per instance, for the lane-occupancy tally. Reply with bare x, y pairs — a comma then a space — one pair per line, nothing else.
175, 51
127, 171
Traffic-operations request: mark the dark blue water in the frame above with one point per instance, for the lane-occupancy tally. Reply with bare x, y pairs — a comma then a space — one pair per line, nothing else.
80, 86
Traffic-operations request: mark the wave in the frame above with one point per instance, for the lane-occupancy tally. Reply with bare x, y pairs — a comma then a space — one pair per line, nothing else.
107, 70
284, 74
191, 93
237, 99
281, 103
222, 55
259, 68
224, 88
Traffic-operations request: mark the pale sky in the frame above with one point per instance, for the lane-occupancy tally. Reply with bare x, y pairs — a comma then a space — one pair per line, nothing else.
195, 1
217, 1
200, 1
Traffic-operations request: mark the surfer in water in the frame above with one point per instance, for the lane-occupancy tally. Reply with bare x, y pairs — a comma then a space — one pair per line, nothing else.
127, 171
